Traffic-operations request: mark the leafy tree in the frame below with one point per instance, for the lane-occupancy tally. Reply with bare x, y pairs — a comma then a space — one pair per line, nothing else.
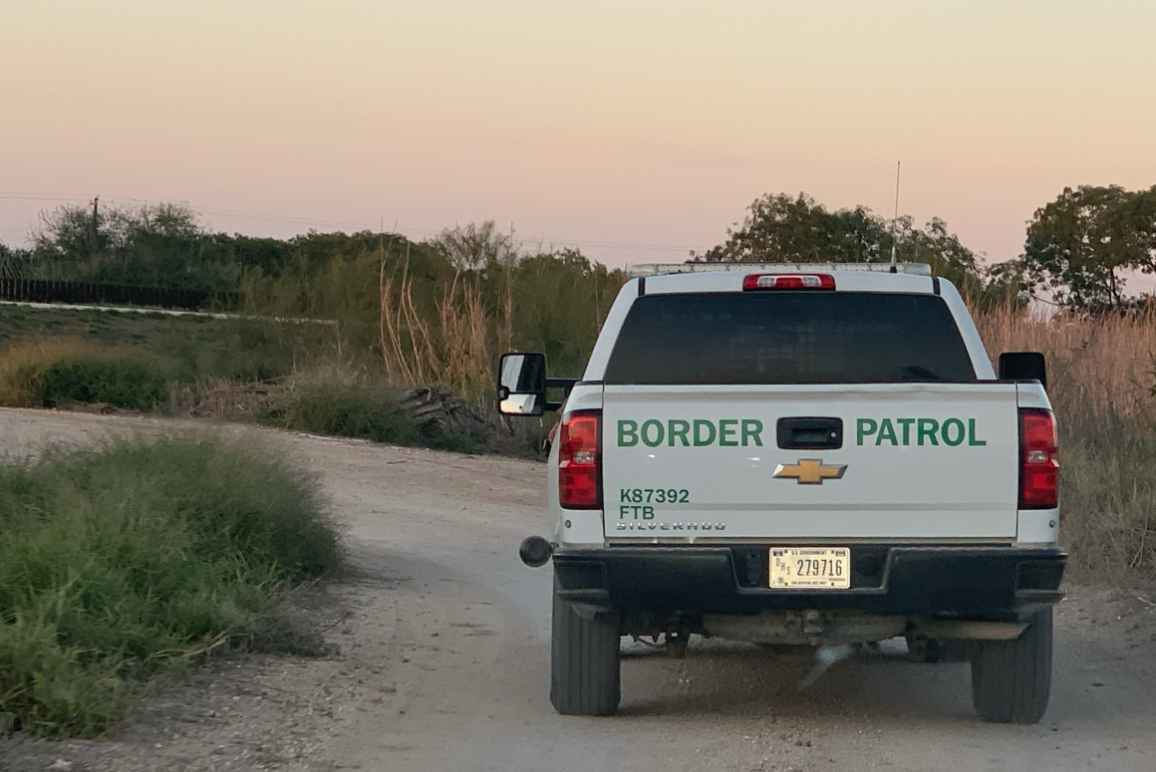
70, 233
1008, 284
943, 251
936, 245
1082, 245
476, 245
153, 244
559, 300
781, 228
159, 245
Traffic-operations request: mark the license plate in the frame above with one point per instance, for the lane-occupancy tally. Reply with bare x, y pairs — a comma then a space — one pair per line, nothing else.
810, 568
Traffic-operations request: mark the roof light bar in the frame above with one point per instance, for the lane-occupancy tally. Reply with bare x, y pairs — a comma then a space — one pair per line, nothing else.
656, 269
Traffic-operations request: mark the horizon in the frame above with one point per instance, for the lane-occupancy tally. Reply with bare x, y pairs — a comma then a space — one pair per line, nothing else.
636, 132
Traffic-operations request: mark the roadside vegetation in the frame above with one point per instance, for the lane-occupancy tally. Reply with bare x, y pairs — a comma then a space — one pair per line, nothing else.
139, 558
405, 315
142, 557
373, 412
1103, 389
65, 373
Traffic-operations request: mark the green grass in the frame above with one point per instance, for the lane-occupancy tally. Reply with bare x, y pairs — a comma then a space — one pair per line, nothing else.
154, 362
138, 557
184, 348
124, 382
364, 412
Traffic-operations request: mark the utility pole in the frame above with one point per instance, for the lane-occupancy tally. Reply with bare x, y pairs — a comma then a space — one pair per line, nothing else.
93, 227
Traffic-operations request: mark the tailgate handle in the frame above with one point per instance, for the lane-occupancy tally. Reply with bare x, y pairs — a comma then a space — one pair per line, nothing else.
810, 433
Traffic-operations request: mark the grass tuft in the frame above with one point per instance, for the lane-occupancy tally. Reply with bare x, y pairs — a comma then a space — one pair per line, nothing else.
52, 373
138, 557
23, 364
121, 381
365, 412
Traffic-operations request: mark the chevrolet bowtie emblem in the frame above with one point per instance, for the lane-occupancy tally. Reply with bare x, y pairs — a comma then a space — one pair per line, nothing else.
809, 471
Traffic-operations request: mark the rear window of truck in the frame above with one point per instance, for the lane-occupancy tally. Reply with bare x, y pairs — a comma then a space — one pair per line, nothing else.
788, 338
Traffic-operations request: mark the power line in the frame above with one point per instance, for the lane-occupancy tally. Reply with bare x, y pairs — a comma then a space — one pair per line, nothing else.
22, 197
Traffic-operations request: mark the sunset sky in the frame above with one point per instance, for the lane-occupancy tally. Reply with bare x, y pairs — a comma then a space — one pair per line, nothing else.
635, 130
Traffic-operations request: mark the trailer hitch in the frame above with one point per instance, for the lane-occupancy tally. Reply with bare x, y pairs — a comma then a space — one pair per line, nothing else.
535, 551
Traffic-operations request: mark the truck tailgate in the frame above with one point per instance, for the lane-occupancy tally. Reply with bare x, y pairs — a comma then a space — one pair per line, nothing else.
913, 461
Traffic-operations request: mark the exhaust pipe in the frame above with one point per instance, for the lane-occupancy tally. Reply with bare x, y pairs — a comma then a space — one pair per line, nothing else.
535, 551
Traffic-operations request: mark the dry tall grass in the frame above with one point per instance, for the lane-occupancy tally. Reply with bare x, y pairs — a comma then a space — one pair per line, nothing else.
1101, 384
23, 363
1100, 364
457, 349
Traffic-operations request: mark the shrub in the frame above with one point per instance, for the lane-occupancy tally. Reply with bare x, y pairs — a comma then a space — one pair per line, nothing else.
120, 381
50, 373
142, 556
241, 350
364, 412
22, 364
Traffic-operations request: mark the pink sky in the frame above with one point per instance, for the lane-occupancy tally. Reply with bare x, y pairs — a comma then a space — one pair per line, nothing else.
635, 130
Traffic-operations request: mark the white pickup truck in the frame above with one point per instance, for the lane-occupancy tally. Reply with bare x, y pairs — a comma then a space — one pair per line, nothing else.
817, 455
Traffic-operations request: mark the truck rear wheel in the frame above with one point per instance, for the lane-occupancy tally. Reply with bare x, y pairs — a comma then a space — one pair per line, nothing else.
1012, 680
584, 662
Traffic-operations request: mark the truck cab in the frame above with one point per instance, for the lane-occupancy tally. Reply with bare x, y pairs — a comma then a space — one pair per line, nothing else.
813, 455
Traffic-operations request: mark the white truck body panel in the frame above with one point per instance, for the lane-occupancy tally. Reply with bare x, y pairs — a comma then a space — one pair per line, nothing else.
966, 491
887, 491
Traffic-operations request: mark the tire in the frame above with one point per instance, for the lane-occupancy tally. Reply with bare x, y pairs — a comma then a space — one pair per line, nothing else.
584, 660
1011, 681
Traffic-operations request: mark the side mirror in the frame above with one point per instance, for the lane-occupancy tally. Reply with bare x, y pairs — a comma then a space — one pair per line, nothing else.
1023, 366
522, 384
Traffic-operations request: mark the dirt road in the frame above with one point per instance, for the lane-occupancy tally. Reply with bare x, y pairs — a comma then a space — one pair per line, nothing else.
442, 661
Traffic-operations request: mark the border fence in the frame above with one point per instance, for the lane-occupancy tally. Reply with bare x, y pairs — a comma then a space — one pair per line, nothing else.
80, 293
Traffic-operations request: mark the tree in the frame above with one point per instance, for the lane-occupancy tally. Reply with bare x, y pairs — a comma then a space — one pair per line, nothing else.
476, 245
1082, 245
781, 228
934, 244
76, 234
11, 261
1007, 284
155, 244
70, 233
943, 251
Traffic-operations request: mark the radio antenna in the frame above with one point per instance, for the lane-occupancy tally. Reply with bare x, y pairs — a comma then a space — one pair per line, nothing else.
895, 219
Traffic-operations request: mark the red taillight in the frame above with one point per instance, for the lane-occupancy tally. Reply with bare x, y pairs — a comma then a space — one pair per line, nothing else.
1039, 460
788, 281
580, 460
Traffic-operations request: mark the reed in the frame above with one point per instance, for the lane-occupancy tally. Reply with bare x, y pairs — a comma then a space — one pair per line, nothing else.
1101, 384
